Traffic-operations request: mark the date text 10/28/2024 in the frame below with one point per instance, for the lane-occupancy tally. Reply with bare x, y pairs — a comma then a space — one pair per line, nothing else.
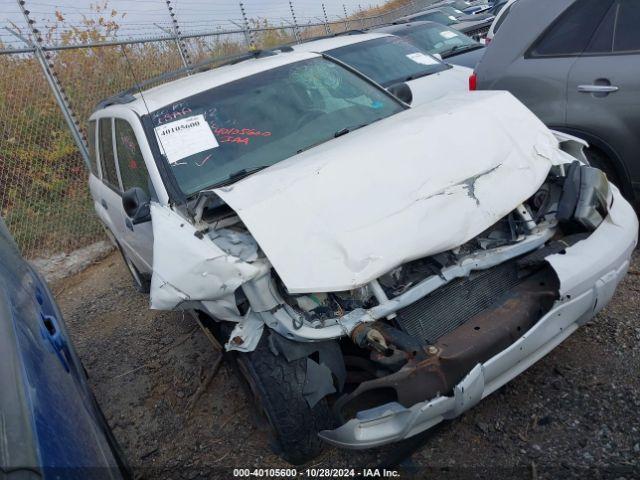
315, 473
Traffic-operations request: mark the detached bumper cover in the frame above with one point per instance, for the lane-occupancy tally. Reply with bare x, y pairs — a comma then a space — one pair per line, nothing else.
589, 273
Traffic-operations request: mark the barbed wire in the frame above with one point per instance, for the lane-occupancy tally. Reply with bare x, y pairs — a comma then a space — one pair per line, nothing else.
116, 27
52, 77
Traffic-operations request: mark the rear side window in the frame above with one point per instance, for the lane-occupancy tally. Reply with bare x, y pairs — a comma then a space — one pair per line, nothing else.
91, 138
602, 41
571, 33
627, 34
619, 30
133, 171
107, 160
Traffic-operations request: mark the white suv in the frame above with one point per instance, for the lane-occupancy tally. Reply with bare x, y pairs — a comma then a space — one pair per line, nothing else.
374, 268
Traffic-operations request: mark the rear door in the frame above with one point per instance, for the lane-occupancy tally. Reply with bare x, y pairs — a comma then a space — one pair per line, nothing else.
136, 239
604, 86
109, 193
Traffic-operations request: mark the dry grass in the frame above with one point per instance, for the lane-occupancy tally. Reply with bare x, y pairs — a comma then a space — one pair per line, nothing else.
43, 187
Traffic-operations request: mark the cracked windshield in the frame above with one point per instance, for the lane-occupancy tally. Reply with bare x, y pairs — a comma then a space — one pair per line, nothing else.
224, 133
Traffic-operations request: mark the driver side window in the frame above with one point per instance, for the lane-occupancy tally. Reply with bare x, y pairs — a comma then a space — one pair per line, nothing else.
133, 171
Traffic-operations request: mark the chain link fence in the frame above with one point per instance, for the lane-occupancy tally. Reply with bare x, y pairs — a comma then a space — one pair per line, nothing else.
47, 88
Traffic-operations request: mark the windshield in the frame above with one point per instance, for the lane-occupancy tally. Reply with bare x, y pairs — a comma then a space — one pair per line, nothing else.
438, 17
439, 39
388, 60
263, 119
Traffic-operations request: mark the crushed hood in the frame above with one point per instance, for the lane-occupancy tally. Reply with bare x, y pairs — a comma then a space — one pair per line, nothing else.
421, 182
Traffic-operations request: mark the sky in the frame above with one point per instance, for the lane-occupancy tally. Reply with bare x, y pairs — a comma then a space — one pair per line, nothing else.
141, 16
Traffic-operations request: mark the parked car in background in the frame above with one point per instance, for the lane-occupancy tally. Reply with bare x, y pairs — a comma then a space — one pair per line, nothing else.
470, 8
577, 68
475, 29
390, 60
51, 425
497, 7
501, 15
454, 47
460, 15
372, 270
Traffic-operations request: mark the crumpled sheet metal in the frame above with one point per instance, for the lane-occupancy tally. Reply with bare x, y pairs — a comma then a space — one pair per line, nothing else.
246, 334
344, 213
188, 268
618, 235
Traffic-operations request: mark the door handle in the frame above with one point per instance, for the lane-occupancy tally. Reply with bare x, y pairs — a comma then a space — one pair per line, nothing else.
597, 88
51, 331
104, 204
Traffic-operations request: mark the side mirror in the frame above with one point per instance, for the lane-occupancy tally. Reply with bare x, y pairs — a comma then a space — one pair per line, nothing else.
135, 203
401, 91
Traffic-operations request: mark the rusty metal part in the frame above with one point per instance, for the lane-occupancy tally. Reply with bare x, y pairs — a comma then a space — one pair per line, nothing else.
411, 345
366, 336
439, 367
392, 358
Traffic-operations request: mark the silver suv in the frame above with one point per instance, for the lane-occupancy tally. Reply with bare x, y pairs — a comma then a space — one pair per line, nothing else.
372, 271
576, 68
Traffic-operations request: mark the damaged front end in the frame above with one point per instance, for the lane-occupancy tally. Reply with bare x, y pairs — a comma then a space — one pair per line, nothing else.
430, 337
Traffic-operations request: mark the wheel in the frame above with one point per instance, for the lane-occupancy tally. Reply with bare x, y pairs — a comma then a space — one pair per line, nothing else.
600, 161
276, 386
141, 281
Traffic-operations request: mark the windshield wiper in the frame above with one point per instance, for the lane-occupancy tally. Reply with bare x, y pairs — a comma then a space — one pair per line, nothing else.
345, 130
459, 49
237, 176
339, 133
418, 75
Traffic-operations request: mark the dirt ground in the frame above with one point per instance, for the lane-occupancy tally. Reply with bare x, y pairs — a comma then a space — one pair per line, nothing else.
574, 414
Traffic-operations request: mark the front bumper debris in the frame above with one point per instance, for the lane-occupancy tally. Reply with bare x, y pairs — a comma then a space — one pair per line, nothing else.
588, 273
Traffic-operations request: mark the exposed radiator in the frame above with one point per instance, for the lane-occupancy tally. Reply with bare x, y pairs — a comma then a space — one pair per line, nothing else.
450, 306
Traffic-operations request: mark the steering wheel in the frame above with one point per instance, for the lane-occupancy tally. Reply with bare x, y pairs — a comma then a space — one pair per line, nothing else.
309, 115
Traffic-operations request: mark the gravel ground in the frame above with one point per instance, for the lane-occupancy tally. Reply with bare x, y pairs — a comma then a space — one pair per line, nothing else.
573, 414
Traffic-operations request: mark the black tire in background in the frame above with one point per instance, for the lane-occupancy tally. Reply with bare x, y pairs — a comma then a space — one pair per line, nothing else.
276, 386
600, 161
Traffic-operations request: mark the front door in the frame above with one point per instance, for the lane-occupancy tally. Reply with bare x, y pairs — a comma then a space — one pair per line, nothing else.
137, 239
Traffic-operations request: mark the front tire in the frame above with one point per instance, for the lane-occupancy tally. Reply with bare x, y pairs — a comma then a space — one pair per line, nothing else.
277, 386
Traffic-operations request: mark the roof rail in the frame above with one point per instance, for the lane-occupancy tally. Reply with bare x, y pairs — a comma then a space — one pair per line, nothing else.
353, 31
127, 95
288, 47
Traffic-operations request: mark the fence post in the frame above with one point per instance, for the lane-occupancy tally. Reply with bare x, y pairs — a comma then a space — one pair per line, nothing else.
248, 33
177, 35
327, 28
44, 59
361, 16
296, 32
346, 17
